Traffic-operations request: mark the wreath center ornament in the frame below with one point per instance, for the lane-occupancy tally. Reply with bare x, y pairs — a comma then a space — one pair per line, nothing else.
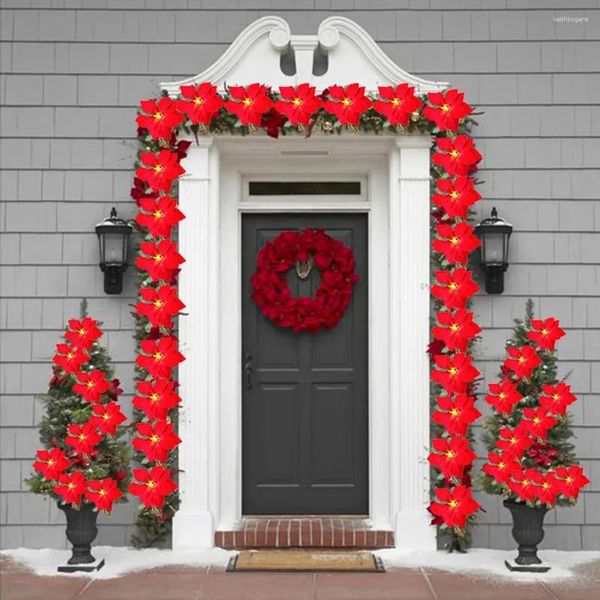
304, 267
304, 250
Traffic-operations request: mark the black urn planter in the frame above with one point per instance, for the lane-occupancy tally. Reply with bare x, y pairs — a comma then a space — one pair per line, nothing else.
528, 532
81, 532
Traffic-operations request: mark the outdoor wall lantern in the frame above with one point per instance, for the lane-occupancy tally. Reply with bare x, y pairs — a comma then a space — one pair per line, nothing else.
494, 233
113, 236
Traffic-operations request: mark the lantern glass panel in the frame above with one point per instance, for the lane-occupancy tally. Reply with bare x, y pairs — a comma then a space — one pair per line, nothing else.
115, 247
493, 248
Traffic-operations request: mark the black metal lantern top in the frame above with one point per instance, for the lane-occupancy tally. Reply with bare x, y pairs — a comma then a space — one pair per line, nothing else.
494, 233
113, 237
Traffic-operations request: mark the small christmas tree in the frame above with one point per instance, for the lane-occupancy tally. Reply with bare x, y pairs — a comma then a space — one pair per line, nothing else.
81, 404
528, 436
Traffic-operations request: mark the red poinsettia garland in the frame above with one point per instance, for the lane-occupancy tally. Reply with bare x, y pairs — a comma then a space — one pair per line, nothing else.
73, 487
255, 106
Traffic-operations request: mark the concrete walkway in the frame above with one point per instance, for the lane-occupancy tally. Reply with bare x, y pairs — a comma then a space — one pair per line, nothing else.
189, 583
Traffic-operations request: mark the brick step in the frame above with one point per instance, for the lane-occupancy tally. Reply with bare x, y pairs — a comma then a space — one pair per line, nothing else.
303, 532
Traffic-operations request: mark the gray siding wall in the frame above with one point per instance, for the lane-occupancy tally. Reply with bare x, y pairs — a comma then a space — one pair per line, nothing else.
72, 74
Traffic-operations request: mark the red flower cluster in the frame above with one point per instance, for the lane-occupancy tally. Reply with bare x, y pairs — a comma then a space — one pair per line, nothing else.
152, 486
272, 295
397, 105
348, 103
528, 438
456, 156
82, 438
447, 110
453, 506
456, 196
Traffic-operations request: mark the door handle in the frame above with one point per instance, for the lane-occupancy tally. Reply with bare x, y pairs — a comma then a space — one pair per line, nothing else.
248, 369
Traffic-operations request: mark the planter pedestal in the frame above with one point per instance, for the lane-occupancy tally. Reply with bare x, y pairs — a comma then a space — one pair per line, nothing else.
528, 532
81, 532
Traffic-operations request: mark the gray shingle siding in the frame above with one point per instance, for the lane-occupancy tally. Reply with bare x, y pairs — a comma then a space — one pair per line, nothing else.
72, 72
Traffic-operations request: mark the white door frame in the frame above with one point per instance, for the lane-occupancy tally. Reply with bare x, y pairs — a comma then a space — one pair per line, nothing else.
396, 173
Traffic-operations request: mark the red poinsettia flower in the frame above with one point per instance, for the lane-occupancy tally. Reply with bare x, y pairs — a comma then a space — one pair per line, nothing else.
500, 466
456, 156
159, 357
272, 122
159, 260
348, 103
114, 391
156, 399
107, 417
140, 190
513, 442
71, 487
249, 104
159, 215
456, 413
155, 441
103, 492
570, 480
456, 329
51, 463
82, 438
91, 385
456, 196
545, 333
455, 242
201, 102
159, 305
542, 454
396, 105
456, 287
526, 484
447, 109
82, 334
503, 396
549, 489
556, 398
522, 361
69, 357
537, 422
451, 455
454, 373
152, 486
160, 118
159, 170
454, 505
298, 104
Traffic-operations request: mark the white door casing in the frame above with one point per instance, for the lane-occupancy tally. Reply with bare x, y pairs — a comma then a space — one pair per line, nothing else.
213, 196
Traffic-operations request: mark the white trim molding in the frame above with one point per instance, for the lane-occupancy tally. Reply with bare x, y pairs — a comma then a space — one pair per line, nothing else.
352, 56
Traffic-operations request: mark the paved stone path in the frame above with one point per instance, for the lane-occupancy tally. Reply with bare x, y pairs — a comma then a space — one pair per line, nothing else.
189, 583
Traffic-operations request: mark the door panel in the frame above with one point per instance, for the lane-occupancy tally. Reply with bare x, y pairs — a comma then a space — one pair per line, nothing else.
305, 414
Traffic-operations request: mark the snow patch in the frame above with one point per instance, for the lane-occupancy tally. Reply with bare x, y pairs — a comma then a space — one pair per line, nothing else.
488, 563
119, 560
477, 562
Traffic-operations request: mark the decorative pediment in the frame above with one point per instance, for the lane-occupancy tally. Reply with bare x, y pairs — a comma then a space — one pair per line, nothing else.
342, 52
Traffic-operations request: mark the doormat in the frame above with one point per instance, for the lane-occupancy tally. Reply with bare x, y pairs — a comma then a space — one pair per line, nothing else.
303, 560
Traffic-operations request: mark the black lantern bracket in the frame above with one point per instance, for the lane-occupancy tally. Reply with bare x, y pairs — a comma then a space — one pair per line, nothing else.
113, 238
494, 233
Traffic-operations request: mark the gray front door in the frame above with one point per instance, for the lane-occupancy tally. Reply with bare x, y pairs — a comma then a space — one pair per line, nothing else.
305, 396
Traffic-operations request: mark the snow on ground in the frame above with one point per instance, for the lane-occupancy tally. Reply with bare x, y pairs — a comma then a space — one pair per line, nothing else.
482, 562
119, 560
477, 562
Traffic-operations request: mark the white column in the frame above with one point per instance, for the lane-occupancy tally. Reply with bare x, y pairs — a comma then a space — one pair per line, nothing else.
193, 525
409, 331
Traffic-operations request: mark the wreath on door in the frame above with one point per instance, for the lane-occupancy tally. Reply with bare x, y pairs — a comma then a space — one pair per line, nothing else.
304, 250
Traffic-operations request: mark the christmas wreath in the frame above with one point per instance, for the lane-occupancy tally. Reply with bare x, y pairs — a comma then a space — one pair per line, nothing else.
304, 250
